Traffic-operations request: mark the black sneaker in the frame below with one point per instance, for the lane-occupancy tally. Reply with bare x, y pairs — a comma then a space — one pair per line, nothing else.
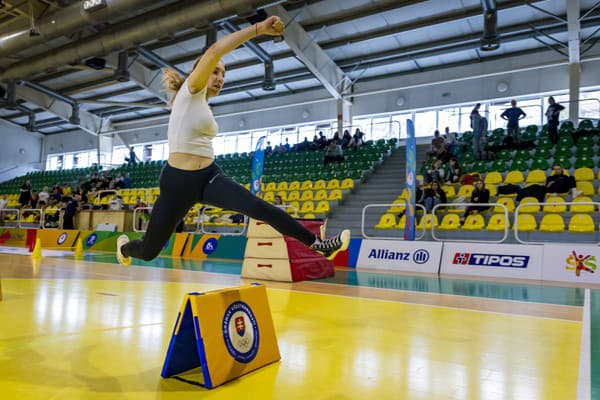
330, 247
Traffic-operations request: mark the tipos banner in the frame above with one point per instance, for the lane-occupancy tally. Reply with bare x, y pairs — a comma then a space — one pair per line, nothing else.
227, 333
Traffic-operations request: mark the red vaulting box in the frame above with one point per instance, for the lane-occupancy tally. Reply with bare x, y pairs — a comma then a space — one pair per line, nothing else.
275, 257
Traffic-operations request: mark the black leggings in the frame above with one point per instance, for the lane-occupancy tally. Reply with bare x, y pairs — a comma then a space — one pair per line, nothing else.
181, 189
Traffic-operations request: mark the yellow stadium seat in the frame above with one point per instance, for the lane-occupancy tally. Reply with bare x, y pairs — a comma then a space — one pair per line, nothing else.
271, 187
307, 195
582, 223
582, 208
552, 223
557, 205
426, 220
450, 222
398, 206
306, 185
526, 223
347, 183
387, 221
493, 178
293, 207
307, 207
320, 184
283, 185
155, 191
334, 195
493, 190
283, 195
586, 187
320, 195
514, 177
474, 222
333, 184
402, 222
309, 216
465, 191
322, 207
449, 190
584, 174
529, 204
294, 185
269, 197
537, 176
497, 222
506, 201
293, 196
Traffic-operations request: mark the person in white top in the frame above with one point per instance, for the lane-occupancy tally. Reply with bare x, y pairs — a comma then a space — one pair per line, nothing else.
43, 196
191, 175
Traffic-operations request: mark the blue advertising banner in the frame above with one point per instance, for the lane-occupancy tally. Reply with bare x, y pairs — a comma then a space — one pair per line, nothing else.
258, 165
411, 166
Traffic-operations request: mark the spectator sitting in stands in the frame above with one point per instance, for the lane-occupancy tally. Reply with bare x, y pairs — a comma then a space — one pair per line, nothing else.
357, 140
434, 196
118, 181
436, 172
268, 149
35, 198
43, 197
453, 172
304, 145
333, 153
315, 143
143, 215
513, 115
126, 181
479, 195
346, 138
438, 149
51, 220
116, 203
278, 201
559, 182
449, 141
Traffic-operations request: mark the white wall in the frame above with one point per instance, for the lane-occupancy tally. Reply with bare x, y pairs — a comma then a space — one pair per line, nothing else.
20, 152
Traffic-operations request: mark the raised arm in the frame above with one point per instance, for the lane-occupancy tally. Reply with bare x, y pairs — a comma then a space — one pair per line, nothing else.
208, 62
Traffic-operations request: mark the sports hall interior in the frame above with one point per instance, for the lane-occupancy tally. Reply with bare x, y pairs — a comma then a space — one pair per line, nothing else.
495, 304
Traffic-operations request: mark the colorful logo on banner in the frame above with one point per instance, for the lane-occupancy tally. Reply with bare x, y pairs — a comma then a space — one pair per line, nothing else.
579, 262
490, 260
61, 239
91, 240
240, 332
411, 167
210, 246
258, 165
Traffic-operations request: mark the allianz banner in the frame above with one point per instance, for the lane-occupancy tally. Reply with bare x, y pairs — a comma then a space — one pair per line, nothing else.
493, 260
400, 255
571, 263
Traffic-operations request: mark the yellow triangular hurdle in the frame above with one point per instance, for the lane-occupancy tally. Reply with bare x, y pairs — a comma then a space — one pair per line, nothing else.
227, 332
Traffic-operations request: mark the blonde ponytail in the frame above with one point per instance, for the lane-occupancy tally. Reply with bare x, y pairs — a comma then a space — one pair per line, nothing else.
172, 81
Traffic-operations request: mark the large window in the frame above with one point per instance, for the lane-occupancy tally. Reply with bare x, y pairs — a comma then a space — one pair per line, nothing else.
398, 125
449, 117
425, 123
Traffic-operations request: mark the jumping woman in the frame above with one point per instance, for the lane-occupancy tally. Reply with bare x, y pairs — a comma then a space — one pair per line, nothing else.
191, 175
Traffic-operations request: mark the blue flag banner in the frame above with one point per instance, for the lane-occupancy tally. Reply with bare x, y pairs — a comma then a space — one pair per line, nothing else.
411, 177
258, 166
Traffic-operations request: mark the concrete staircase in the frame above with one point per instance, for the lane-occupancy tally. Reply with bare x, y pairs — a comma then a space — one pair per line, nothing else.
382, 186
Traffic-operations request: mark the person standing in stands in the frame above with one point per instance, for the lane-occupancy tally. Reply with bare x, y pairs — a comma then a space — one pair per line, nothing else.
191, 175
476, 126
133, 158
552, 115
25, 194
513, 115
70, 211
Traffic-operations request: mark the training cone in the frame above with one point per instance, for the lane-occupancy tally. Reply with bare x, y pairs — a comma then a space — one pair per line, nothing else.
37, 250
79, 249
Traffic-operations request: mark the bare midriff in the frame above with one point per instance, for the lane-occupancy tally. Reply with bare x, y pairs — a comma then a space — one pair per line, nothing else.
189, 162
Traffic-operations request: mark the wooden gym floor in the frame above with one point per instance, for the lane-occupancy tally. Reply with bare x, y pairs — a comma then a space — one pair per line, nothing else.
90, 329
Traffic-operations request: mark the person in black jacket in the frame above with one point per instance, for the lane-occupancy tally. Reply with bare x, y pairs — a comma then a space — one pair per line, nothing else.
434, 196
559, 182
479, 195
552, 114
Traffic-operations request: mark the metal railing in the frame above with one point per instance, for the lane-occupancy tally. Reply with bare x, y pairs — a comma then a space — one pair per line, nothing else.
7, 211
453, 205
137, 212
59, 223
39, 223
200, 223
364, 212
541, 205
